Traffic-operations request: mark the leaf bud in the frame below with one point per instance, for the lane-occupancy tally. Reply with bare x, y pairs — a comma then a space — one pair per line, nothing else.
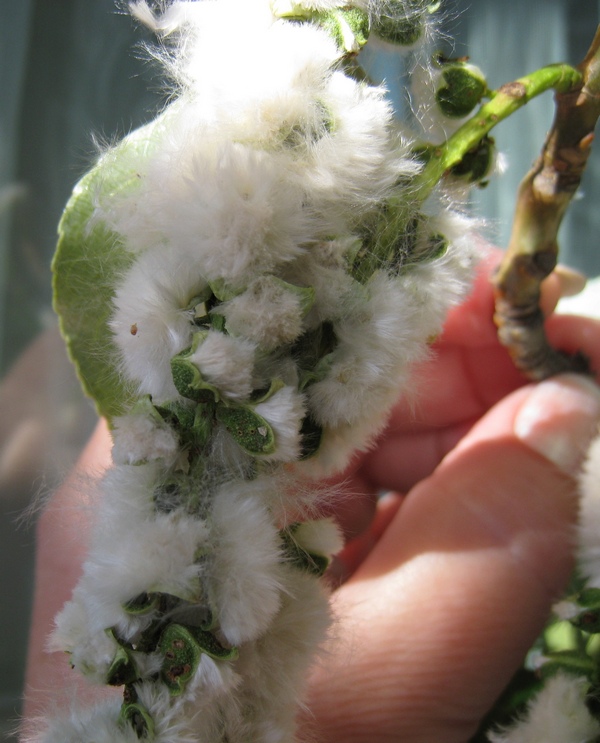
460, 89
403, 22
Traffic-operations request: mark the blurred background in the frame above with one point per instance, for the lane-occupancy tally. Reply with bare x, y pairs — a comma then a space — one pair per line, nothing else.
70, 74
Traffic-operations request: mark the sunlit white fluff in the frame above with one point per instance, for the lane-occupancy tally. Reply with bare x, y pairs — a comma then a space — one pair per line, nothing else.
227, 363
95, 725
275, 688
379, 341
150, 322
557, 714
139, 438
372, 347
284, 412
589, 517
255, 185
322, 537
134, 550
90, 653
227, 209
356, 163
266, 313
246, 572
434, 126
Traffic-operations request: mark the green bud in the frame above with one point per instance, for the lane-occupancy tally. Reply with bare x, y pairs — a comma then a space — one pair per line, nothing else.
586, 610
177, 414
182, 647
304, 294
436, 247
250, 430
203, 424
290, 10
145, 603
462, 88
402, 22
136, 715
197, 304
477, 163
122, 670
298, 556
223, 291
311, 434
349, 28
263, 395
187, 377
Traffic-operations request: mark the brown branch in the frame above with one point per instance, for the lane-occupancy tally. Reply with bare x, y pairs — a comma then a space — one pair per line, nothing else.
543, 198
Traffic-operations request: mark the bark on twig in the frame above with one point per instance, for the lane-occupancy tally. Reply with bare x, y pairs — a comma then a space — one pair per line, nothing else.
543, 198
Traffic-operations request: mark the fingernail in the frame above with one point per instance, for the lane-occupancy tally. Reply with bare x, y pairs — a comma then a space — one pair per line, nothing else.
559, 419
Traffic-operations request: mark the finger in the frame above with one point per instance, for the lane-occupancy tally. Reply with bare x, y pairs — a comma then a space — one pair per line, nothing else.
353, 502
439, 615
62, 533
472, 323
573, 334
461, 385
562, 282
357, 550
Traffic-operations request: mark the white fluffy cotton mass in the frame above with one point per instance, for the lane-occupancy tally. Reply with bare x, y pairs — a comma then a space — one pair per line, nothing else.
244, 213
589, 517
557, 715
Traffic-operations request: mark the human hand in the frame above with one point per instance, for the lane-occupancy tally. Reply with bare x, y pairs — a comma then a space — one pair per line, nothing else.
449, 585
446, 589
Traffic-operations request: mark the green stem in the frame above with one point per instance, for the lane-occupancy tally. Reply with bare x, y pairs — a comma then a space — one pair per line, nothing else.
386, 238
507, 99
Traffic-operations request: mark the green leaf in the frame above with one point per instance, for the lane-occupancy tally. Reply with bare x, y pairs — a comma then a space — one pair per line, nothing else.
569, 661
89, 261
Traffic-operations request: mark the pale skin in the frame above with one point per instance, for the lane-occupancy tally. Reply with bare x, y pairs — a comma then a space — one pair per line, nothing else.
444, 583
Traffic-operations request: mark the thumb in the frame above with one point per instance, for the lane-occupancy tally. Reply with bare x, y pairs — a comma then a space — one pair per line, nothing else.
438, 617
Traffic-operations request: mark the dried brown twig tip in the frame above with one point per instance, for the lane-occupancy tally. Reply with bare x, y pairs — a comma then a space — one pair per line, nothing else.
542, 200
